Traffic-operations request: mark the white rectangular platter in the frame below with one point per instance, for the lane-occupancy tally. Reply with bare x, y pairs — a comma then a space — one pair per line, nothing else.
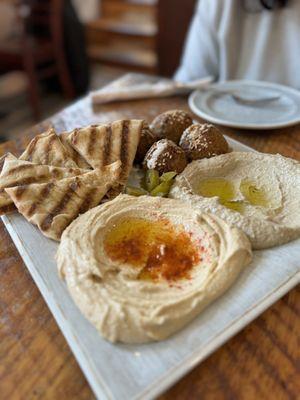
117, 371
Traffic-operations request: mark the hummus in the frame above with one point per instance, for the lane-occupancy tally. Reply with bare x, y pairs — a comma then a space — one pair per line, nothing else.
258, 193
141, 268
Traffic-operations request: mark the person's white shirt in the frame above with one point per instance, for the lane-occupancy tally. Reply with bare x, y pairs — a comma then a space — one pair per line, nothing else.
229, 42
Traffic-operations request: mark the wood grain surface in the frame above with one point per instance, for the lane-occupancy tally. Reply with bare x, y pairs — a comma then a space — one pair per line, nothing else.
261, 362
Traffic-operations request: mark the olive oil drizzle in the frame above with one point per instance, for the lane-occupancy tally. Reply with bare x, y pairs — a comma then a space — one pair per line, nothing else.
227, 193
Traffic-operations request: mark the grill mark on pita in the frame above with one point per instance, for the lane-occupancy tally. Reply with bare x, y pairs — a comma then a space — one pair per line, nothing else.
27, 181
124, 148
46, 223
4, 198
67, 196
77, 156
57, 173
92, 139
71, 153
48, 148
107, 144
2, 159
43, 195
7, 209
87, 202
31, 148
20, 168
20, 191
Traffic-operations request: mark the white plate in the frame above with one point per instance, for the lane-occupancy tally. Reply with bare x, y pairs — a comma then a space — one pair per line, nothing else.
222, 109
142, 372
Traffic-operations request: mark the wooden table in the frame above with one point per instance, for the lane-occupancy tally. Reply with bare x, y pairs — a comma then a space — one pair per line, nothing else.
261, 362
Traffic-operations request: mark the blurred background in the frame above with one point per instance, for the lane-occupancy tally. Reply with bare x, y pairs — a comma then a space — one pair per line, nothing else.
54, 51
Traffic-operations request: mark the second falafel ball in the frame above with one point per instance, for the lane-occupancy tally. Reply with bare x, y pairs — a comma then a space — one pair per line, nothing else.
165, 156
171, 124
203, 141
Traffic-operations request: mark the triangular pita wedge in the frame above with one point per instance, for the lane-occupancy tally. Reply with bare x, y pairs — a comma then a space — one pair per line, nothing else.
100, 145
47, 149
7, 156
79, 160
18, 172
6, 205
53, 206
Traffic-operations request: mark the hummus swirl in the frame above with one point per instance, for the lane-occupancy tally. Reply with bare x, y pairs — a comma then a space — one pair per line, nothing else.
258, 193
136, 297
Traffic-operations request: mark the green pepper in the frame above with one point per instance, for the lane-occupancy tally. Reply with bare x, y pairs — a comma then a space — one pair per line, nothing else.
135, 191
162, 190
152, 179
168, 176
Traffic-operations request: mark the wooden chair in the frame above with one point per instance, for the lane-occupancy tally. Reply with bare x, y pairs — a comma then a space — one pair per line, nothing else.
39, 48
173, 18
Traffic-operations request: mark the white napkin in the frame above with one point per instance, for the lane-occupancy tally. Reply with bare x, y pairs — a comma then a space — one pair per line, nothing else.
138, 86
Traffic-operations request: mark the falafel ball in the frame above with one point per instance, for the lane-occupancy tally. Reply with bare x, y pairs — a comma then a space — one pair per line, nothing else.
165, 156
203, 141
171, 124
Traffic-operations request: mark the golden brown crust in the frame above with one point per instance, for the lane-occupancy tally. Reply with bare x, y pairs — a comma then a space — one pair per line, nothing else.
101, 145
6, 156
52, 206
47, 149
165, 156
80, 161
171, 124
17, 172
203, 141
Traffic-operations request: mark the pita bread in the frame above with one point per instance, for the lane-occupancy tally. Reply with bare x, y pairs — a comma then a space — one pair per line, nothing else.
7, 156
53, 206
47, 149
18, 172
80, 161
6, 205
100, 145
